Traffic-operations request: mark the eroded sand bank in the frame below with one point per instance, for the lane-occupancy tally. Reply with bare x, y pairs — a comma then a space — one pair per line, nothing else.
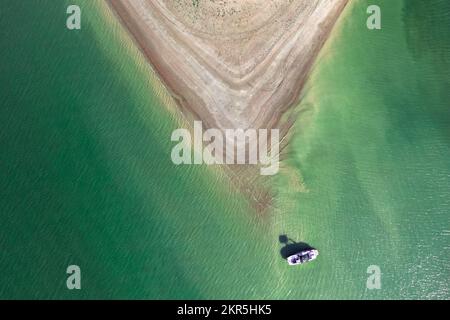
235, 64
231, 63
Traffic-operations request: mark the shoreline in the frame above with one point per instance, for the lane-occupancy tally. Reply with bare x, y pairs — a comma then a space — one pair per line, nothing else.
242, 107
258, 92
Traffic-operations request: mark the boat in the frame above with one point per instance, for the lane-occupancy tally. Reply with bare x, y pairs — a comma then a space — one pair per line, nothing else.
302, 257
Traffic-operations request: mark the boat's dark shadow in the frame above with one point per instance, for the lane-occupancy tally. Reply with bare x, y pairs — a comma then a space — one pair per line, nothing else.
291, 247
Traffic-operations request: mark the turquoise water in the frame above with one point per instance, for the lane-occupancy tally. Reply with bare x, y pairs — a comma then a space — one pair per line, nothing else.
373, 149
86, 172
86, 176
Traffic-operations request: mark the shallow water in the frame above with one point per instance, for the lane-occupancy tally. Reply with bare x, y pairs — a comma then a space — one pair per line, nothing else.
86, 172
374, 153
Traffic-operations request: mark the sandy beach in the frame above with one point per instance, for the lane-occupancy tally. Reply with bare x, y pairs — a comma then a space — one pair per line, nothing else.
232, 64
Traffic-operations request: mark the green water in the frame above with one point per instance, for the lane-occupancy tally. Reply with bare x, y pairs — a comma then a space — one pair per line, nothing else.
86, 176
86, 173
373, 148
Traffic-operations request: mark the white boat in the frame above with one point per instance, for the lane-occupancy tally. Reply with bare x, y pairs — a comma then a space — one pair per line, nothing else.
302, 257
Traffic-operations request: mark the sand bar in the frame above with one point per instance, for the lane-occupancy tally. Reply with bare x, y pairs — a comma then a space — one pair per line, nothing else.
231, 63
